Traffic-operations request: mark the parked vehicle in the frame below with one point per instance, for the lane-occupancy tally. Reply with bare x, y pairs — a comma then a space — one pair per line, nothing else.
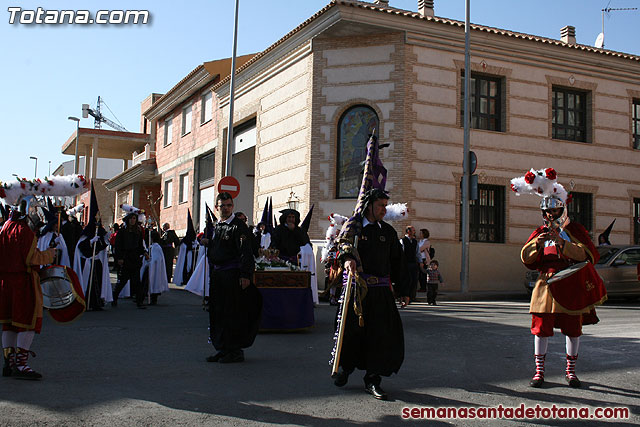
617, 266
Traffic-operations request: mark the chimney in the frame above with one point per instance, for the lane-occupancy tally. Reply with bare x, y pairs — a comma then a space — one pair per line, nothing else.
382, 2
425, 7
568, 34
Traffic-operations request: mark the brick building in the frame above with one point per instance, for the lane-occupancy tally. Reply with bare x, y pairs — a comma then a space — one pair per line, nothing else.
185, 125
304, 106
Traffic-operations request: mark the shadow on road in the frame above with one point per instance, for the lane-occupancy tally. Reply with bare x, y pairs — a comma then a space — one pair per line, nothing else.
127, 364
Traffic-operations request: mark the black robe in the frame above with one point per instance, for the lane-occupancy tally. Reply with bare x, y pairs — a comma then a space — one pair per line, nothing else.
234, 313
71, 232
86, 249
378, 346
170, 242
288, 242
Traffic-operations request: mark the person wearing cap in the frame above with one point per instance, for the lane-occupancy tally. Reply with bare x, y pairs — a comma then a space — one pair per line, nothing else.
552, 247
235, 303
129, 251
288, 237
20, 294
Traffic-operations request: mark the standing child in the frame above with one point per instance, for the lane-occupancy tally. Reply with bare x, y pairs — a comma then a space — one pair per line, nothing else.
433, 279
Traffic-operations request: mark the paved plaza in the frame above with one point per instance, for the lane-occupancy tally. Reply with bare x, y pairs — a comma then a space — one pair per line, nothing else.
146, 368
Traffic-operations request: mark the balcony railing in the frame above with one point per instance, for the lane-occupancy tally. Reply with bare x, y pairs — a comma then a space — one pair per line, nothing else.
145, 155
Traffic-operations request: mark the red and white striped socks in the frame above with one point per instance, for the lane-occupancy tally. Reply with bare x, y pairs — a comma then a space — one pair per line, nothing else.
539, 375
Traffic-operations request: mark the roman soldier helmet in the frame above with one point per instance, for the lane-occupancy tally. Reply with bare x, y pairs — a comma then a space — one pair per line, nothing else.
543, 183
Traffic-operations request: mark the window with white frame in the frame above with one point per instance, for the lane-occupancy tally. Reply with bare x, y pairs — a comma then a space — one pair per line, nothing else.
206, 111
168, 132
184, 188
186, 119
168, 193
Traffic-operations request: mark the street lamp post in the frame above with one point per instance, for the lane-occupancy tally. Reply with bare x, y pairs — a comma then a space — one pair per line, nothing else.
35, 173
49, 167
294, 201
75, 158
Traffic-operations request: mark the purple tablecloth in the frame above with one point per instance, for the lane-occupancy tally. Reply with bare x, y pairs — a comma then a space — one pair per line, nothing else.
286, 308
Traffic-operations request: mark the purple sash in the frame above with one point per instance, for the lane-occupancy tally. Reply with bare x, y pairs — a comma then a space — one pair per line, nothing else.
371, 280
231, 265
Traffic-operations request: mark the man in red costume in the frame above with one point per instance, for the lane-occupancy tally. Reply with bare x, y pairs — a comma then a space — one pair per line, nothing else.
20, 294
553, 247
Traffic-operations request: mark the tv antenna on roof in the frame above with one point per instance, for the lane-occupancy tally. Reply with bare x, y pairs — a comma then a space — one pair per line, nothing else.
600, 39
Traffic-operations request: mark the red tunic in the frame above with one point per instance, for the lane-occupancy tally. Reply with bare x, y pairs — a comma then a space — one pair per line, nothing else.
547, 262
20, 292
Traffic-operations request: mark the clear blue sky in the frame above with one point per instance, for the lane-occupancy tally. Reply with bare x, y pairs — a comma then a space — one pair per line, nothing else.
48, 71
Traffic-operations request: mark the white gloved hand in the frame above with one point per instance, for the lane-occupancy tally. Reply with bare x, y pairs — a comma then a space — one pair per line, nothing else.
58, 239
95, 239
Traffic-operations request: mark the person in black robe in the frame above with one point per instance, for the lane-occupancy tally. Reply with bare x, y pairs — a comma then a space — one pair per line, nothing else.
377, 347
169, 242
128, 255
288, 237
235, 303
85, 246
71, 231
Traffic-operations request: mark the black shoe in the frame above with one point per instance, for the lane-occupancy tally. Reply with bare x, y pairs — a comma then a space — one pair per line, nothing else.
573, 382
233, 357
376, 391
25, 375
216, 357
114, 303
6, 369
536, 382
340, 379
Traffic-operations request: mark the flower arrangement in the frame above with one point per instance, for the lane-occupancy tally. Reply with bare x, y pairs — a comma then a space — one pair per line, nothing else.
268, 260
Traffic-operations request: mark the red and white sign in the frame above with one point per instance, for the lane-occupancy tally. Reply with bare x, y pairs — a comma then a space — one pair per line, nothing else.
229, 185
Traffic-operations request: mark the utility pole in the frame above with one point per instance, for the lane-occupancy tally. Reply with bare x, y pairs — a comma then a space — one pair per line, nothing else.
232, 93
464, 267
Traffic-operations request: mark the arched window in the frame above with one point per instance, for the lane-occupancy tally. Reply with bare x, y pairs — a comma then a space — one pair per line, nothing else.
354, 128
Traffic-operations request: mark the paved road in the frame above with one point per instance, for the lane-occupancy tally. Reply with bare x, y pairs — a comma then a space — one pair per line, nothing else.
146, 367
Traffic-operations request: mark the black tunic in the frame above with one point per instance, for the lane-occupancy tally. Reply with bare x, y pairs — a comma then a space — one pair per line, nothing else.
130, 248
378, 346
288, 242
234, 313
71, 232
86, 249
170, 242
